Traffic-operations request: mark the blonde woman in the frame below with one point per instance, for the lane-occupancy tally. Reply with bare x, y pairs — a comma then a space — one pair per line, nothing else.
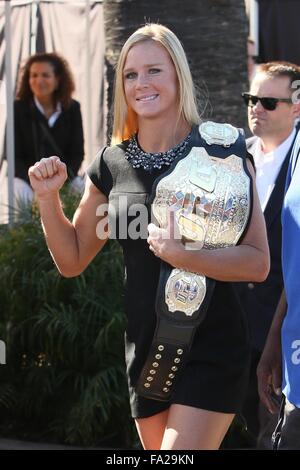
156, 135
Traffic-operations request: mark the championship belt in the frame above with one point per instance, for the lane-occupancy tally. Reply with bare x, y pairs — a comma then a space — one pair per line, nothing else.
209, 191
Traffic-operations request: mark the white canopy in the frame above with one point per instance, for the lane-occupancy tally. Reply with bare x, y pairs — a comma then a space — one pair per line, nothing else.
74, 28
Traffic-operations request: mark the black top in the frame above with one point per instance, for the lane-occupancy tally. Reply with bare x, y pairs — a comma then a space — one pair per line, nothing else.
33, 143
215, 375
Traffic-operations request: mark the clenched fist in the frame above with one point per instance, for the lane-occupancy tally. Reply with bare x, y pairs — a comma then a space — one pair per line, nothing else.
47, 176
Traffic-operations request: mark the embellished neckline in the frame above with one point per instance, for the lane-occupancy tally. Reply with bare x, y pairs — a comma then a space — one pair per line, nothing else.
153, 161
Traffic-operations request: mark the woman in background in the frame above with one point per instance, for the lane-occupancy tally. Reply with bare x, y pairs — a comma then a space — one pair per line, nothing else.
47, 120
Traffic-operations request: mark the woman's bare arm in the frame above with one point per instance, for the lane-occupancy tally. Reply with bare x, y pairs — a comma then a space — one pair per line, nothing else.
72, 244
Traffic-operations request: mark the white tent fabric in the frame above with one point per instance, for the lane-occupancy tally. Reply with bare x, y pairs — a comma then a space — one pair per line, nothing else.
75, 29
19, 42
64, 29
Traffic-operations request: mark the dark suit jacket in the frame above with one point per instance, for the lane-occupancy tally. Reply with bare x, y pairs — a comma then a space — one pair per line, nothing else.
31, 143
260, 300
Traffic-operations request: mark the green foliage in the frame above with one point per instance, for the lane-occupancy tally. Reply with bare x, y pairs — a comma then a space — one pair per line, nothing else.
64, 377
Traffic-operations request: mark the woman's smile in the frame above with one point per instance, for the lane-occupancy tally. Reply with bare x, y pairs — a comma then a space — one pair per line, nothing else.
147, 98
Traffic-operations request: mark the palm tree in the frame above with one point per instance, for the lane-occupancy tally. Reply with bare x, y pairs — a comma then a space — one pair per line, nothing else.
214, 35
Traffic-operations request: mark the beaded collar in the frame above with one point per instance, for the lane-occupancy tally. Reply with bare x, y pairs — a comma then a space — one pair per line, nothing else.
152, 161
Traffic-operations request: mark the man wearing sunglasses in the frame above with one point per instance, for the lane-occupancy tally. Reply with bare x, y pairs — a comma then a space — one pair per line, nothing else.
272, 116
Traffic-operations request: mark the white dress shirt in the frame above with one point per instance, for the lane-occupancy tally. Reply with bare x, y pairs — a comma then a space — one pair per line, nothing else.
52, 119
268, 166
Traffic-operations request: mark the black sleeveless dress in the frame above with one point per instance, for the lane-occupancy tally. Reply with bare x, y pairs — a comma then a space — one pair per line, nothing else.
216, 374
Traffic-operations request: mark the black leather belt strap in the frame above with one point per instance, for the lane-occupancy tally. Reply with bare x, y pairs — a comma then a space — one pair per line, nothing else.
175, 330
171, 344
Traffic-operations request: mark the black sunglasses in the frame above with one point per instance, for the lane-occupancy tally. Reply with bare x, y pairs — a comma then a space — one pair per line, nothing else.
267, 102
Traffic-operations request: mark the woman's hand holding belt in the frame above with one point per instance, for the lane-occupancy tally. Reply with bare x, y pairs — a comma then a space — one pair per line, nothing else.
165, 242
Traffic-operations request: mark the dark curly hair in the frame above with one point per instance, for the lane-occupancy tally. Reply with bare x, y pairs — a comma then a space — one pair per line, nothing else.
62, 71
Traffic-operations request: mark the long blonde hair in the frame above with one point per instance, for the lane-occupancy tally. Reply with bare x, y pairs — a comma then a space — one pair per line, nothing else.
125, 120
